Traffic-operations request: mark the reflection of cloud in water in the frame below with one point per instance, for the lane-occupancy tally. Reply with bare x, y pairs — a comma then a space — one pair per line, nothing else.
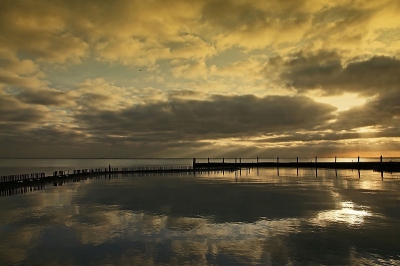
349, 213
188, 236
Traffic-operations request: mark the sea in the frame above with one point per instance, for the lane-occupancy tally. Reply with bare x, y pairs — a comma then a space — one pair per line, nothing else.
251, 216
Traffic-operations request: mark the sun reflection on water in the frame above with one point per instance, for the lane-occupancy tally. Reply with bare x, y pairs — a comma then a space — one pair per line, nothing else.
349, 213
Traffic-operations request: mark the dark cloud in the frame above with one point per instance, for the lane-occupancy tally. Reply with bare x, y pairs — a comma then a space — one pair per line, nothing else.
234, 15
220, 117
12, 111
326, 71
47, 97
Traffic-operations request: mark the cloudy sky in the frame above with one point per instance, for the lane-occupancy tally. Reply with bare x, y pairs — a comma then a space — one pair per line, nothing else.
208, 78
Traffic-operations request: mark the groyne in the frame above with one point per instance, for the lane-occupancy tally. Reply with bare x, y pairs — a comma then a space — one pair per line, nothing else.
35, 177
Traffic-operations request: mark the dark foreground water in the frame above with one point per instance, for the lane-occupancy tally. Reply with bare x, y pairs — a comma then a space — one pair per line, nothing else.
236, 218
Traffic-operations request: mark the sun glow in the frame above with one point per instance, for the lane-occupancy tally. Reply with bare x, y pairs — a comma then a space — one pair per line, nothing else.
343, 102
368, 129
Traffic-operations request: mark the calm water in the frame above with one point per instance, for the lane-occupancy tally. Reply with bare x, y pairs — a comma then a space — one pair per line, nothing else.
232, 218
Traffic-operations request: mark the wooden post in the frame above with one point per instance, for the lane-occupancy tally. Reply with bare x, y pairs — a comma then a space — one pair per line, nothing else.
381, 159
223, 160
315, 159
257, 159
335, 159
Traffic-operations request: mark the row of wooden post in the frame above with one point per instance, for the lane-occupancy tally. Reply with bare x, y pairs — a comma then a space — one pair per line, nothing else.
21, 177
277, 159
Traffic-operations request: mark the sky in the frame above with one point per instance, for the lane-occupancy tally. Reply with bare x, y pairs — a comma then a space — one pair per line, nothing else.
199, 78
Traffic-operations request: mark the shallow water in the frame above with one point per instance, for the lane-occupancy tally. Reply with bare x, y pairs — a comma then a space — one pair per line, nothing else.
248, 217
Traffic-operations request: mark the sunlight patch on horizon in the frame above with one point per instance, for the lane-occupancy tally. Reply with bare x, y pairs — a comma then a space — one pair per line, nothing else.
343, 102
369, 129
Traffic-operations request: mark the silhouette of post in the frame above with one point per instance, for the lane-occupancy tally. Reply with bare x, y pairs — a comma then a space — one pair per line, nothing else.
277, 164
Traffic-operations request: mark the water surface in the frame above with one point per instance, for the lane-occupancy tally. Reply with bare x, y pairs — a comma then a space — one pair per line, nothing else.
248, 217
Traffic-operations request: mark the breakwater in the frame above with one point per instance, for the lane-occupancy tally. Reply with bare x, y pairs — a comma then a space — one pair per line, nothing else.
25, 183
21, 178
379, 165
203, 164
